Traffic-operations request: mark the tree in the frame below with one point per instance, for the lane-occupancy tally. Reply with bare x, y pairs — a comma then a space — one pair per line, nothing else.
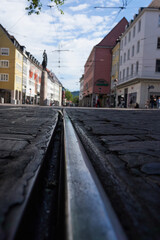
68, 95
35, 6
76, 100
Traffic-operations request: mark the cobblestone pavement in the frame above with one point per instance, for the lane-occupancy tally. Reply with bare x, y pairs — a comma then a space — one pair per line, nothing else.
124, 147
24, 136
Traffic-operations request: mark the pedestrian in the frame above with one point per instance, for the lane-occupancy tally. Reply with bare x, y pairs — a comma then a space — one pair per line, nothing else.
158, 103
152, 102
98, 103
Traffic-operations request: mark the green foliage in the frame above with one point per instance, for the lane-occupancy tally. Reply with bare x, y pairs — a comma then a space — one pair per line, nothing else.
35, 6
76, 100
68, 95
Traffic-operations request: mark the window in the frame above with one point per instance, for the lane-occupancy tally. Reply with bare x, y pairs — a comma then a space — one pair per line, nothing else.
124, 58
4, 64
132, 70
4, 77
127, 71
125, 41
137, 67
132, 50
123, 74
122, 44
158, 65
159, 21
138, 46
18, 67
129, 37
139, 26
128, 54
120, 75
121, 60
5, 51
158, 43
18, 79
134, 31
19, 56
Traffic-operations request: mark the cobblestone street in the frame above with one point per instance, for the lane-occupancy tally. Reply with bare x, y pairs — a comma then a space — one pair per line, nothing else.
124, 146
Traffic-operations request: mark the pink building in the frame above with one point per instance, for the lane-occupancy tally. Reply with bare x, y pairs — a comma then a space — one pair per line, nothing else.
97, 73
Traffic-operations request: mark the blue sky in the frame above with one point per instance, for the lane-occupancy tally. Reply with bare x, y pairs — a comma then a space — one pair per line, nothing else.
75, 33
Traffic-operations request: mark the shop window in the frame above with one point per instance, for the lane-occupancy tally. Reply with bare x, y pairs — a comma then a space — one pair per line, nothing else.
132, 98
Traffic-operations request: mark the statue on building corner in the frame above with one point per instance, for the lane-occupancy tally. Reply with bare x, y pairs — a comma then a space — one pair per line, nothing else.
44, 63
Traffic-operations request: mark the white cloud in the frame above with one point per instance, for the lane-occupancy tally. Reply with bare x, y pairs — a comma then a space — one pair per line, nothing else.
77, 31
79, 7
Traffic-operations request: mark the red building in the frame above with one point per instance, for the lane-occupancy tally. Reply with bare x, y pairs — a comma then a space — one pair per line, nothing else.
97, 72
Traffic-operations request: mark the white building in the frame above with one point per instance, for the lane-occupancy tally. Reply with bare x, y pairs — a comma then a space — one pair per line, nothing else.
81, 90
54, 90
140, 58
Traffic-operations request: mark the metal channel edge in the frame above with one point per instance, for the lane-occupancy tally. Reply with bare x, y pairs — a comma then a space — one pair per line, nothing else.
88, 211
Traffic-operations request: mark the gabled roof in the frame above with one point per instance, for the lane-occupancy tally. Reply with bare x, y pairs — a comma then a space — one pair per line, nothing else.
113, 35
154, 4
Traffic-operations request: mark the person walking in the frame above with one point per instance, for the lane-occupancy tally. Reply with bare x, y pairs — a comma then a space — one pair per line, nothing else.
158, 102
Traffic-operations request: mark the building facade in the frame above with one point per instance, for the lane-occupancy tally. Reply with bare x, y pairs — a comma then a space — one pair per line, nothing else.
139, 70
114, 73
81, 91
97, 72
11, 63
21, 73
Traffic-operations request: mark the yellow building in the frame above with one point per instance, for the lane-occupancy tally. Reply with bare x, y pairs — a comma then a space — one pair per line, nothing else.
115, 72
11, 64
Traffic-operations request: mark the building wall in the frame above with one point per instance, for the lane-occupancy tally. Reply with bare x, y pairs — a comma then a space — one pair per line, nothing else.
97, 74
115, 64
102, 70
148, 52
18, 70
5, 42
151, 53
89, 74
